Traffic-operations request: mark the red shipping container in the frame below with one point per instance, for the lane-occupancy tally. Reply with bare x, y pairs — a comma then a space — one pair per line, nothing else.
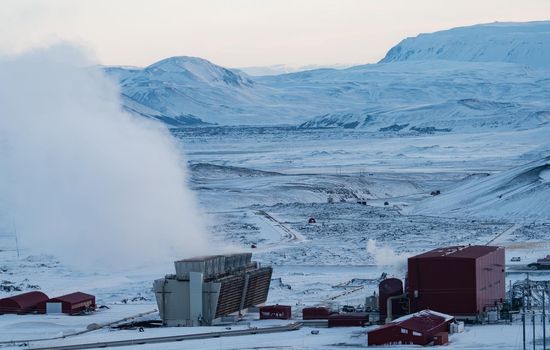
356, 319
278, 312
317, 313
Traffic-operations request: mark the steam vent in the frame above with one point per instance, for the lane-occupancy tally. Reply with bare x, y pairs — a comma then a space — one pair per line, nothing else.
206, 288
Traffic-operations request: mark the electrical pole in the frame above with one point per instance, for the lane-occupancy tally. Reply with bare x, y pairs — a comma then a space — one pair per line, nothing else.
534, 336
523, 317
544, 319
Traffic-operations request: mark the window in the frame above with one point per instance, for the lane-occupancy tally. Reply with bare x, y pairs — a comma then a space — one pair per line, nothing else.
404, 331
417, 334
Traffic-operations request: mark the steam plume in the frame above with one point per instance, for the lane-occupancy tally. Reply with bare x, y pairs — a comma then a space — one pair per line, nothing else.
82, 179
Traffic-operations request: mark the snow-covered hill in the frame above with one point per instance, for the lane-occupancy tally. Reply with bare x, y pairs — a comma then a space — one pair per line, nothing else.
523, 43
522, 193
408, 93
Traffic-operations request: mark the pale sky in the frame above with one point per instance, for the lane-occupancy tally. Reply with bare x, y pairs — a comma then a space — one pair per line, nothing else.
240, 33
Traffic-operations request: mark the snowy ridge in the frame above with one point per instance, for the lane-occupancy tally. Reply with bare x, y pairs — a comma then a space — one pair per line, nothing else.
523, 43
415, 89
522, 193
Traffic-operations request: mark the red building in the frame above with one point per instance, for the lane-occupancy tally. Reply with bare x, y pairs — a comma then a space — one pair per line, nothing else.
280, 312
420, 328
22, 303
71, 304
460, 280
317, 313
353, 319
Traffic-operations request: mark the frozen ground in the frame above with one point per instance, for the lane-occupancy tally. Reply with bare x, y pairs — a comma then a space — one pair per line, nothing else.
261, 185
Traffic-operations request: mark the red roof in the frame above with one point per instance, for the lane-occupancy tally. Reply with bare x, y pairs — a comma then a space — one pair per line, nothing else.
25, 301
422, 323
468, 252
73, 298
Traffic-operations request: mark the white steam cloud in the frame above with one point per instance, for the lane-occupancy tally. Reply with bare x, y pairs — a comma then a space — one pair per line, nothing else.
385, 256
80, 178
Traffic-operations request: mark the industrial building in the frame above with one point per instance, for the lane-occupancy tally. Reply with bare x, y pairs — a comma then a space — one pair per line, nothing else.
352, 319
421, 328
317, 313
462, 281
277, 312
392, 299
22, 303
206, 288
72, 304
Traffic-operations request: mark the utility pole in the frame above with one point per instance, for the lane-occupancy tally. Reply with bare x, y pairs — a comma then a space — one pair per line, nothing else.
544, 319
534, 336
523, 317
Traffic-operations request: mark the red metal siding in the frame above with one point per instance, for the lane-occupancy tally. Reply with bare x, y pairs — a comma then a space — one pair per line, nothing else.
356, 319
22, 303
441, 338
442, 284
72, 303
420, 329
490, 279
281, 312
392, 334
459, 283
316, 313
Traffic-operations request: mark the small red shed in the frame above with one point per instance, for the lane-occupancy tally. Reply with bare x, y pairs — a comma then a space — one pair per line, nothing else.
71, 304
420, 328
279, 312
317, 313
22, 303
353, 319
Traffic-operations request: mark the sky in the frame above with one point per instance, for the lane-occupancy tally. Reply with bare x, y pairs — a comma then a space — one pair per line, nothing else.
244, 33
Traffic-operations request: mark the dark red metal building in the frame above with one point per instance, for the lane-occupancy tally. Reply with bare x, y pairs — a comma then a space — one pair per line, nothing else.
72, 303
280, 312
317, 313
459, 280
420, 328
22, 303
353, 319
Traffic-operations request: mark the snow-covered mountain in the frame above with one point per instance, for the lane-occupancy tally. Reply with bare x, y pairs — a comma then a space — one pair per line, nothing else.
522, 193
523, 43
406, 93
279, 69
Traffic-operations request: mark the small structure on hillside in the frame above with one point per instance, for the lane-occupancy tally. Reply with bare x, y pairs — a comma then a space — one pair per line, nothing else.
421, 328
23, 303
311, 220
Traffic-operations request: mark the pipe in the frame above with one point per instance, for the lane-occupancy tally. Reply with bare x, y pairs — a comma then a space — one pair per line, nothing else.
389, 305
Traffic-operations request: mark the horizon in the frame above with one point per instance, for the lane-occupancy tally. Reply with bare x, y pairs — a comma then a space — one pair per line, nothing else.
244, 33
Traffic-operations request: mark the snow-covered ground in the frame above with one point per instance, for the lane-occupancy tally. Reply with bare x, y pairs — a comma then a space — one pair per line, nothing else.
261, 185
473, 132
